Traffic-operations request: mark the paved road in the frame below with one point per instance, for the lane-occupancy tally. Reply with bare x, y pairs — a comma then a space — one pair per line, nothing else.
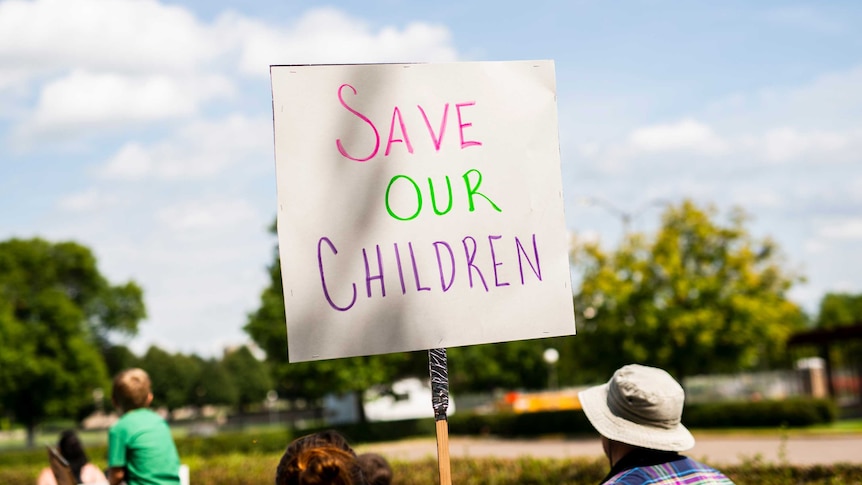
717, 450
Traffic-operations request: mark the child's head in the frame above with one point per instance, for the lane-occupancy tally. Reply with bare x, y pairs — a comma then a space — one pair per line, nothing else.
375, 469
73, 451
319, 459
132, 390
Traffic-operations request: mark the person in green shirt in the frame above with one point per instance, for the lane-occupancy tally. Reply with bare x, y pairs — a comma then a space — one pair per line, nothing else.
141, 450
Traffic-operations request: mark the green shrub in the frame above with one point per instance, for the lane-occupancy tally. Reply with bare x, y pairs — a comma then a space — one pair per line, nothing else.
774, 474
36, 456
247, 442
488, 471
381, 431
759, 414
527, 424
795, 412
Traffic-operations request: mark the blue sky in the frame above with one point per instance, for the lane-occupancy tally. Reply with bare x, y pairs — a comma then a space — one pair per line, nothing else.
143, 129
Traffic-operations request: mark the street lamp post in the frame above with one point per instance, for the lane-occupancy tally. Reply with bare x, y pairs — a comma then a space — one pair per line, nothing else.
626, 217
551, 356
98, 397
271, 398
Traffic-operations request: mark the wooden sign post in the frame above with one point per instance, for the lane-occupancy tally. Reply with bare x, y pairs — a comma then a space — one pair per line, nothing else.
438, 369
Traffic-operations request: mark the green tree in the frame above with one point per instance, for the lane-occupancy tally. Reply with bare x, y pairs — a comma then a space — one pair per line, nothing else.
841, 310
57, 312
213, 384
697, 297
118, 358
507, 365
250, 377
172, 377
313, 380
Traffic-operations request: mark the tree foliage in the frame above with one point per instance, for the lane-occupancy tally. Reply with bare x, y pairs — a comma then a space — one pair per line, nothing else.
507, 365
118, 358
839, 310
57, 312
697, 297
250, 377
172, 377
212, 384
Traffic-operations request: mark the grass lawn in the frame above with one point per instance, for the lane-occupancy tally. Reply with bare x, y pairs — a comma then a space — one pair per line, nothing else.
15, 440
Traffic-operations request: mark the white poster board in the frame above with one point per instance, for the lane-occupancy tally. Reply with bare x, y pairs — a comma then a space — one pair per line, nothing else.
419, 206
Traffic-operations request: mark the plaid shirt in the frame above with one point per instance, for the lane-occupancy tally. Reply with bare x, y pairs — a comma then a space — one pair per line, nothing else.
648, 467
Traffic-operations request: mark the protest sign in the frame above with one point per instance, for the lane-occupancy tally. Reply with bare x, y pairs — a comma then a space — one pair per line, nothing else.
419, 206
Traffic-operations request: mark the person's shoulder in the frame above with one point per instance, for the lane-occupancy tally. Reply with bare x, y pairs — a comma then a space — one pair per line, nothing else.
152, 417
708, 474
696, 465
46, 477
144, 414
632, 476
91, 474
121, 422
683, 467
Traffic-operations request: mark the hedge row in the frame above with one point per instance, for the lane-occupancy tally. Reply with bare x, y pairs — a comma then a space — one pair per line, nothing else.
245, 443
789, 412
760, 414
248, 442
240, 469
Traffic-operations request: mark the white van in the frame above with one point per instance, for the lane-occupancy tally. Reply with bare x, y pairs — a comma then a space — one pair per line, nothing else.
404, 399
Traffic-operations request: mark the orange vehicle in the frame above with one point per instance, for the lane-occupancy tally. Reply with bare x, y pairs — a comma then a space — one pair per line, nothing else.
531, 402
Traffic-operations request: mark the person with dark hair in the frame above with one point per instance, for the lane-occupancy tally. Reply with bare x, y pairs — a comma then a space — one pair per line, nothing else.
375, 469
323, 458
72, 450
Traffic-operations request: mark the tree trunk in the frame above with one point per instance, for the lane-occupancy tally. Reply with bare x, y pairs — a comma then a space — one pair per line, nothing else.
240, 415
360, 406
31, 435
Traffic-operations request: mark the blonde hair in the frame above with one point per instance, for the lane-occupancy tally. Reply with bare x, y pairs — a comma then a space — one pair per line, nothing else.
131, 389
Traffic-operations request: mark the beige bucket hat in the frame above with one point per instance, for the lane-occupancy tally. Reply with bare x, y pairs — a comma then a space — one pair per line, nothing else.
640, 406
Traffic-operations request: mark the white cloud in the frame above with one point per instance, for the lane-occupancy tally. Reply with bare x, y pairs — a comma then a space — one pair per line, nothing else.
687, 135
756, 197
829, 102
12, 78
590, 149
199, 149
119, 35
683, 143
842, 230
86, 201
814, 246
692, 145
855, 188
327, 35
84, 100
784, 144
100, 65
210, 214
